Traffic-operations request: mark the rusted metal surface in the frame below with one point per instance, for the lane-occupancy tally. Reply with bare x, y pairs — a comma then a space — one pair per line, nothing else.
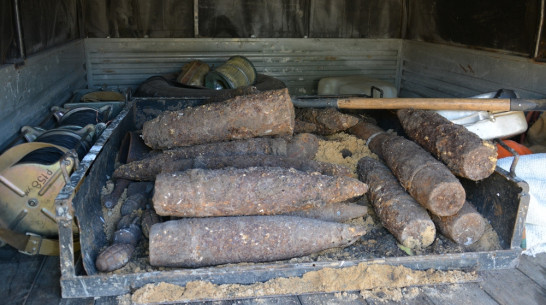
408, 221
141, 173
302, 146
426, 179
221, 240
309, 166
465, 228
251, 191
114, 257
336, 212
464, 153
325, 121
148, 219
268, 113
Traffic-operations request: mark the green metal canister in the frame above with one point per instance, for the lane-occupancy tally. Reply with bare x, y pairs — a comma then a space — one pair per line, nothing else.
238, 71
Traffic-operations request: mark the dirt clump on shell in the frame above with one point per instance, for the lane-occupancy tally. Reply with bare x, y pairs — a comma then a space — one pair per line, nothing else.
355, 278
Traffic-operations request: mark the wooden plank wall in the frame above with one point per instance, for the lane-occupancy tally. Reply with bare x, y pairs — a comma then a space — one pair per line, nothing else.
434, 70
300, 63
46, 79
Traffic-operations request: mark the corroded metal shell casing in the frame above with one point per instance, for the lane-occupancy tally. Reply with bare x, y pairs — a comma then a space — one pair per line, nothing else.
323, 121
213, 155
267, 113
337, 212
114, 257
149, 218
465, 228
425, 178
250, 191
197, 242
399, 213
464, 153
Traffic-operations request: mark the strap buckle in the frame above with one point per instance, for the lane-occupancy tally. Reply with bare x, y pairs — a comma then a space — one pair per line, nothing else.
33, 245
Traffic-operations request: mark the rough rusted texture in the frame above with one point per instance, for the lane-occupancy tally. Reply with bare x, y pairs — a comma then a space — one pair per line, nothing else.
337, 212
251, 191
465, 228
222, 240
305, 165
264, 114
304, 127
365, 130
302, 146
149, 218
464, 153
259, 161
426, 179
399, 213
324, 121
114, 257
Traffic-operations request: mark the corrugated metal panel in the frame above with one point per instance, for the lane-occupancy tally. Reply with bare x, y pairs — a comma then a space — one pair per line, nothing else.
47, 79
433, 70
300, 63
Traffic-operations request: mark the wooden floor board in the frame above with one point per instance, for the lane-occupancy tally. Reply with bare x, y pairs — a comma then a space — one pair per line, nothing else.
511, 286
342, 298
228, 302
461, 294
406, 296
534, 268
288, 300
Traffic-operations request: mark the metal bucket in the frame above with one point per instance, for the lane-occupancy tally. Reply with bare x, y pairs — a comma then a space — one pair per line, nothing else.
238, 71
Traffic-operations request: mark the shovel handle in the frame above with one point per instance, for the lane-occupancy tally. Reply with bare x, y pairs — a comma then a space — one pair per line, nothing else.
489, 104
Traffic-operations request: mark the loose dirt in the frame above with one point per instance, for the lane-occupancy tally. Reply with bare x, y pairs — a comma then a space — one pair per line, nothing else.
355, 278
344, 149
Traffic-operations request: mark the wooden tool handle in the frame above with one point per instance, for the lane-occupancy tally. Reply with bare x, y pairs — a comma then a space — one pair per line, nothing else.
493, 104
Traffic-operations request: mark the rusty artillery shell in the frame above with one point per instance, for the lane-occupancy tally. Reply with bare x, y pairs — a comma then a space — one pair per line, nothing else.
304, 165
264, 114
242, 162
250, 191
426, 179
399, 213
302, 146
325, 121
222, 240
149, 218
465, 228
114, 257
336, 212
464, 153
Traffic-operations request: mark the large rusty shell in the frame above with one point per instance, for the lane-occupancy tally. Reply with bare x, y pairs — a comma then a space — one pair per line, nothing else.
250, 191
197, 242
